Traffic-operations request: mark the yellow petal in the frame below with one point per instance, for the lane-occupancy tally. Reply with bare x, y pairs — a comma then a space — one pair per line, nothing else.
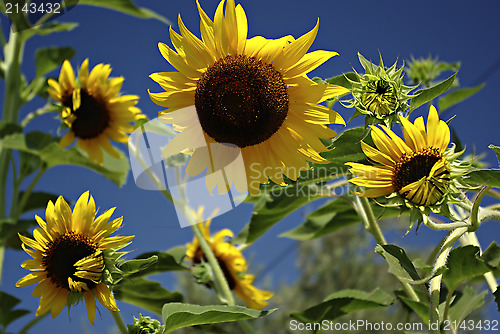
90, 305
30, 279
104, 296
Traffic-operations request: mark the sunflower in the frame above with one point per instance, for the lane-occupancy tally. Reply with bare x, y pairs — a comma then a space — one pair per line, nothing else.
69, 252
418, 168
233, 265
93, 109
248, 97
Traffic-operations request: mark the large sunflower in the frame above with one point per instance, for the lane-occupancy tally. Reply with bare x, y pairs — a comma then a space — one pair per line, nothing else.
416, 168
69, 256
233, 265
93, 109
250, 96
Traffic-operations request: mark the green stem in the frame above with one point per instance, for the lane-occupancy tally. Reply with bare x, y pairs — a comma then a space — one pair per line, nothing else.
219, 279
435, 284
119, 322
27, 193
39, 112
447, 226
474, 214
33, 322
246, 327
365, 211
2, 254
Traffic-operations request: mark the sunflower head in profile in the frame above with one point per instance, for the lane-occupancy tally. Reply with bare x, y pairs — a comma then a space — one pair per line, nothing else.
232, 263
419, 170
93, 109
379, 93
247, 96
70, 252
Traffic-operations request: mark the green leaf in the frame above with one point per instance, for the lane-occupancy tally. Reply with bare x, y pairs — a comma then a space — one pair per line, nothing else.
341, 80
463, 264
8, 129
331, 217
167, 261
270, 209
137, 265
10, 229
491, 256
344, 302
177, 315
421, 308
37, 200
457, 96
8, 314
347, 148
49, 58
46, 147
401, 266
426, 95
399, 263
145, 293
483, 177
127, 7
468, 302
497, 151
54, 26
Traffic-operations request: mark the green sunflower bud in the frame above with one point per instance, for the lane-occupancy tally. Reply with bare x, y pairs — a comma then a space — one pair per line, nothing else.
379, 93
425, 70
145, 325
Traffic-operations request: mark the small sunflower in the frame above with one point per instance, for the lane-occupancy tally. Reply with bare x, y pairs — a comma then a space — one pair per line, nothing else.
233, 265
93, 109
420, 168
69, 255
250, 96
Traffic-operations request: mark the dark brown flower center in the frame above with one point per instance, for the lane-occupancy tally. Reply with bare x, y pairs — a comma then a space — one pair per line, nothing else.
92, 117
62, 254
241, 100
412, 168
199, 255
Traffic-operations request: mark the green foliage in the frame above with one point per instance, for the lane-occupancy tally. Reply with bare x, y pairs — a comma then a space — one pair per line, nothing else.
45, 147
343, 80
37, 200
9, 314
463, 264
176, 315
496, 294
171, 260
483, 177
497, 151
145, 325
425, 95
491, 256
145, 293
457, 96
401, 266
127, 7
344, 302
468, 302
329, 218
48, 59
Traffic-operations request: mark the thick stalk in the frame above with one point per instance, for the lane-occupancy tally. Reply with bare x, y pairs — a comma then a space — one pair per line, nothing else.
33, 322
219, 279
119, 322
371, 224
435, 284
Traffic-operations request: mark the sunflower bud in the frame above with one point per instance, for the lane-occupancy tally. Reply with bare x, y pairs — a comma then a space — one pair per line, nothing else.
379, 93
425, 70
145, 325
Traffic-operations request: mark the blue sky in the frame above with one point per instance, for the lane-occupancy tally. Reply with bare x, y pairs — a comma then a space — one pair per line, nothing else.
452, 30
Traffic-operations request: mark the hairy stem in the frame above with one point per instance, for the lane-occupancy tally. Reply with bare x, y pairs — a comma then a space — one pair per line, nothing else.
435, 284
365, 211
119, 322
